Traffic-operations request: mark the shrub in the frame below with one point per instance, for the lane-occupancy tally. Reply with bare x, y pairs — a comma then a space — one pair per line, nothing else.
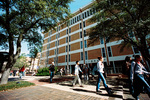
43, 71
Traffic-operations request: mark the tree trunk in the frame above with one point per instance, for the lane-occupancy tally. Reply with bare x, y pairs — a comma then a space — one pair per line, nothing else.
144, 51
33, 65
5, 75
146, 58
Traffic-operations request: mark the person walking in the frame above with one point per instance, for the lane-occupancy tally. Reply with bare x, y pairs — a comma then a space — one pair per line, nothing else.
21, 72
51, 71
127, 71
77, 69
100, 67
86, 73
139, 82
61, 71
80, 73
131, 88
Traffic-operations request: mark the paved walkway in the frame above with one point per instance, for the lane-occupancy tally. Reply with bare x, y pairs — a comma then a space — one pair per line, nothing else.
63, 91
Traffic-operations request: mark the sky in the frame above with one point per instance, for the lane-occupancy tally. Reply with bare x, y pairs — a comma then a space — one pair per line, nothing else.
74, 6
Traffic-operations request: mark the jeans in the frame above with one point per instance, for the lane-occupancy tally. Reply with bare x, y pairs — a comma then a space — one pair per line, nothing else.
86, 76
20, 74
139, 83
77, 78
51, 76
101, 77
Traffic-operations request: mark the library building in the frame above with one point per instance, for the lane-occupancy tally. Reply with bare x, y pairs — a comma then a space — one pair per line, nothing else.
69, 43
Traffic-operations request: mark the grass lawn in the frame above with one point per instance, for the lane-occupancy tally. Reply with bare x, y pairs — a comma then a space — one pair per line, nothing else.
14, 85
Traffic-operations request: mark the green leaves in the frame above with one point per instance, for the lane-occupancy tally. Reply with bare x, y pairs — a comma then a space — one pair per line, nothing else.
31, 17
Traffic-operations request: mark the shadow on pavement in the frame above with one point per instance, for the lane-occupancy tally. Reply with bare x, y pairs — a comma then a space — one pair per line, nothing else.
112, 95
56, 80
66, 85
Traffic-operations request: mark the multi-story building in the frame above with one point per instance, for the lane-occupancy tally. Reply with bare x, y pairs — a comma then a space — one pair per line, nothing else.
69, 43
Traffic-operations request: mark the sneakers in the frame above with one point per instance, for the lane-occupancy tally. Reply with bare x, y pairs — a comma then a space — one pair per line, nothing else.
81, 85
110, 92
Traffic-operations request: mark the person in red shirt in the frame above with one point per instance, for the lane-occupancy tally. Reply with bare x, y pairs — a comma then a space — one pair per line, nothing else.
21, 71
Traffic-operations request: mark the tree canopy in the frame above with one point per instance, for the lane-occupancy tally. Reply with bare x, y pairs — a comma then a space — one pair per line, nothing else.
21, 61
127, 20
21, 20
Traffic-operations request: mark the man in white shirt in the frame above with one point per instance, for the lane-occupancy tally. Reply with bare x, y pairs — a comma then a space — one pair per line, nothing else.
100, 67
77, 69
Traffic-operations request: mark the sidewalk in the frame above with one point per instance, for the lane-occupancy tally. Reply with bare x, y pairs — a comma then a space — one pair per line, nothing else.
64, 91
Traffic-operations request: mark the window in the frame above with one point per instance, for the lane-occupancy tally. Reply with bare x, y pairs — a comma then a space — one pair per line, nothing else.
84, 33
59, 28
48, 46
75, 19
54, 60
85, 14
101, 40
69, 30
71, 21
85, 43
56, 43
135, 49
94, 10
81, 34
109, 51
69, 38
107, 39
80, 25
91, 12
56, 36
66, 58
50, 33
68, 23
86, 55
47, 53
79, 17
69, 48
57, 50
81, 55
81, 45
88, 13
49, 38
69, 58
103, 52
84, 24
66, 48
66, 39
